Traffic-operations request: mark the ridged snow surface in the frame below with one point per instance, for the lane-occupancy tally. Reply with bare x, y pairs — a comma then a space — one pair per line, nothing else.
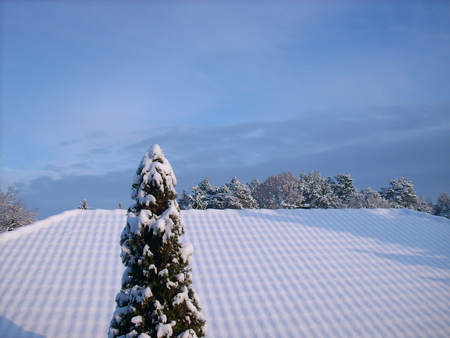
259, 273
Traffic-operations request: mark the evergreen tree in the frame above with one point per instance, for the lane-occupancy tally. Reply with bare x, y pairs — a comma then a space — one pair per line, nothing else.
367, 199
317, 191
442, 207
156, 299
221, 198
185, 201
343, 188
203, 195
279, 192
13, 211
84, 205
253, 186
401, 194
239, 195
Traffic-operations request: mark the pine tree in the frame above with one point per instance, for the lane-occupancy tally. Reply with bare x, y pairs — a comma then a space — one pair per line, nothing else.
203, 194
156, 299
442, 207
253, 186
238, 195
317, 191
343, 188
401, 194
367, 199
185, 201
84, 205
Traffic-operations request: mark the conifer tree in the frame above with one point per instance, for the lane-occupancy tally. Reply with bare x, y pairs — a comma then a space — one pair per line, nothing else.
317, 191
367, 199
185, 201
343, 188
442, 207
401, 194
84, 205
203, 194
239, 195
156, 299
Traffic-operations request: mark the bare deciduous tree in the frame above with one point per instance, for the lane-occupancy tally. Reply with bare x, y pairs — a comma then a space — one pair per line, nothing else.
13, 212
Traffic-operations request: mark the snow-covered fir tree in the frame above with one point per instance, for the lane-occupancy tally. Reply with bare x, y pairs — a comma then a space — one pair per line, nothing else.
253, 186
343, 188
401, 194
367, 199
221, 198
442, 207
317, 191
185, 200
238, 195
203, 195
84, 205
279, 192
156, 299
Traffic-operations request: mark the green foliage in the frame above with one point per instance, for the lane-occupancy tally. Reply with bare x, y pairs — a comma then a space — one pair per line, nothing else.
401, 194
317, 191
311, 190
156, 299
442, 207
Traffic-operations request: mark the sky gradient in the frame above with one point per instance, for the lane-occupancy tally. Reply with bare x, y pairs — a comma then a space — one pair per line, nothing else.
246, 89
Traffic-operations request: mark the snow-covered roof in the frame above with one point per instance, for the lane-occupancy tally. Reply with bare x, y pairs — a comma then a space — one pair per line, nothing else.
259, 273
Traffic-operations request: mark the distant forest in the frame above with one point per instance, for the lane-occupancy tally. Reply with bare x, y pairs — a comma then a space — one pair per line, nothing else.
309, 190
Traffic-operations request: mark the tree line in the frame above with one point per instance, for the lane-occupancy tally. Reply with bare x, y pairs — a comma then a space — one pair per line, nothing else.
282, 191
309, 190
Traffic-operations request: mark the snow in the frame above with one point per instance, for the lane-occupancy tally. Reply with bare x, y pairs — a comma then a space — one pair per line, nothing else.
153, 165
259, 273
164, 330
186, 250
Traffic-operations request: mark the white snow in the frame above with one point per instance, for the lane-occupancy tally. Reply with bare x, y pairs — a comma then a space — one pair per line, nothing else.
164, 330
186, 251
153, 166
259, 273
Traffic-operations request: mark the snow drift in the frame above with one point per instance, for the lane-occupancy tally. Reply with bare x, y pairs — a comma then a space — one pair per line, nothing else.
259, 273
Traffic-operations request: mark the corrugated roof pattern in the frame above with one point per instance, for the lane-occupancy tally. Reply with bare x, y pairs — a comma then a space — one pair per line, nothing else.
259, 273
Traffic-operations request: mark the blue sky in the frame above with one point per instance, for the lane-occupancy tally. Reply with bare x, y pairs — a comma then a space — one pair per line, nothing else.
246, 89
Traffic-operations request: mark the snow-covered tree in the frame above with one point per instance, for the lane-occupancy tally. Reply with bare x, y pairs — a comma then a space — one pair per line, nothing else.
401, 194
13, 211
238, 195
84, 205
367, 199
253, 185
156, 299
343, 188
279, 192
221, 198
317, 191
120, 205
442, 207
185, 201
203, 195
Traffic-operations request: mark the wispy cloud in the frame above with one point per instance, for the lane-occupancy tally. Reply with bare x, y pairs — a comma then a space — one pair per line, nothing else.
226, 88
373, 146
